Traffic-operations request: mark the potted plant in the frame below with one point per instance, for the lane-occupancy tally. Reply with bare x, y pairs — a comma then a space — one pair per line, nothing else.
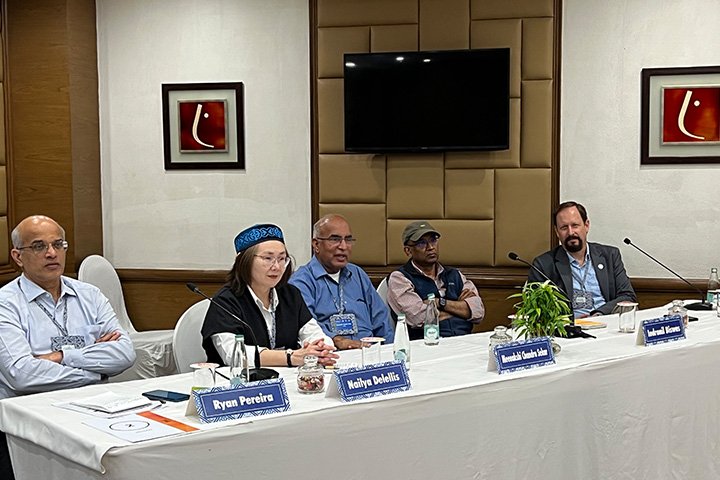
543, 311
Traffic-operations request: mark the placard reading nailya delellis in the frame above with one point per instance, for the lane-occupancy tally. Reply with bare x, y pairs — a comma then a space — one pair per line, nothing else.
521, 355
661, 330
245, 400
370, 381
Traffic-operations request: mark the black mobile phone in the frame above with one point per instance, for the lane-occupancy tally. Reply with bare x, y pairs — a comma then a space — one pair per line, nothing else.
166, 396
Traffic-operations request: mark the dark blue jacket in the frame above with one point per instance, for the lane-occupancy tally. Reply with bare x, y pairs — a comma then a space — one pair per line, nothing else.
450, 277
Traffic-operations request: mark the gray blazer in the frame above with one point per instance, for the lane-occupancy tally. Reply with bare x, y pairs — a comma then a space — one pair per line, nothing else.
614, 283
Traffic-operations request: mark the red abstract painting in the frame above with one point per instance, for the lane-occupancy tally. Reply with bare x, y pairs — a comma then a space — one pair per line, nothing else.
203, 126
691, 114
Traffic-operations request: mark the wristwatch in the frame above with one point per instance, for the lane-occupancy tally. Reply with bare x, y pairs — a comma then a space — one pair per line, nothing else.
441, 304
288, 355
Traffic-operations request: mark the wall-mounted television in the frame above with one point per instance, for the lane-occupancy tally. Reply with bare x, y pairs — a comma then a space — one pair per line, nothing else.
451, 100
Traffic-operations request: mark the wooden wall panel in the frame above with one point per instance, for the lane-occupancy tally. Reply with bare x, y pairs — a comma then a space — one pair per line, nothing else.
52, 111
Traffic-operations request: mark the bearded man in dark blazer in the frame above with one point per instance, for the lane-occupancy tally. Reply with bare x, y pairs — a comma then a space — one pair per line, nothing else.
592, 275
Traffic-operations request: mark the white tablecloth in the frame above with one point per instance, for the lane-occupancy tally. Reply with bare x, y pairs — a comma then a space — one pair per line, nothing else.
608, 409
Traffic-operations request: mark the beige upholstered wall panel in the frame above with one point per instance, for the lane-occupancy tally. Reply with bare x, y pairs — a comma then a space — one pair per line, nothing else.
368, 225
334, 42
501, 159
497, 34
394, 38
4, 241
511, 8
444, 24
366, 12
484, 203
522, 222
470, 194
366, 171
415, 186
331, 121
463, 242
3, 153
3, 191
537, 123
537, 48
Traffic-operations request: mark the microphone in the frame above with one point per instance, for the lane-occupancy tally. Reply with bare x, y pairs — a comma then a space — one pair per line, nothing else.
701, 305
256, 373
514, 256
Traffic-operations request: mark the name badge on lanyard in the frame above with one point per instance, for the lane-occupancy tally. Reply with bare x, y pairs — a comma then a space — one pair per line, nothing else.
66, 342
344, 323
582, 300
341, 323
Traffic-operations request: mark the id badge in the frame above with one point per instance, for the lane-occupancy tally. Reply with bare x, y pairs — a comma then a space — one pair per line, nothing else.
343, 323
582, 300
67, 341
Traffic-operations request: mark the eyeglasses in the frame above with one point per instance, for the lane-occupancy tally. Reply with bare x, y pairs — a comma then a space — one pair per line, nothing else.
268, 262
423, 244
335, 240
39, 247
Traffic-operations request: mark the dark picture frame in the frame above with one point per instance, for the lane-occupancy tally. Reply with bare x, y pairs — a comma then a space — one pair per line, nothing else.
661, 113
203, 125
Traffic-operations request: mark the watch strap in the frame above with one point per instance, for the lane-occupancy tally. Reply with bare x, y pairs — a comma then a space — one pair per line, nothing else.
288, 356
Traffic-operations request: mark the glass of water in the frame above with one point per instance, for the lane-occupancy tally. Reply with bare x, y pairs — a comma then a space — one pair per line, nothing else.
203, 375
626, 316
371, 350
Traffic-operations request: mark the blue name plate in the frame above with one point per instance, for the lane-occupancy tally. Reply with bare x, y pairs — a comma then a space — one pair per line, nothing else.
524, 354
663, 329
371, 381
244, 400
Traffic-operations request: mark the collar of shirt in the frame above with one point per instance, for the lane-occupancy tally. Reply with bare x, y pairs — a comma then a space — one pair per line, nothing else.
439, 269
318, 271
575, 263
259, 303
32, 290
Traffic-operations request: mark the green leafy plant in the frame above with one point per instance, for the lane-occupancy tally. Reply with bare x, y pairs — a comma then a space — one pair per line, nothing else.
542, 310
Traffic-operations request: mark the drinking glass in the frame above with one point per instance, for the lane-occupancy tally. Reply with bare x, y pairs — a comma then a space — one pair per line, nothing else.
204, 374
626, 316
371, 350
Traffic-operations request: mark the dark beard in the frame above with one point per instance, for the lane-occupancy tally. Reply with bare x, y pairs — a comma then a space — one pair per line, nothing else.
574, 248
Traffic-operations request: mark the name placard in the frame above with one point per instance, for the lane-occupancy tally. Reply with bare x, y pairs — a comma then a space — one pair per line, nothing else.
371, 381
524, 354
244, 400
661, 330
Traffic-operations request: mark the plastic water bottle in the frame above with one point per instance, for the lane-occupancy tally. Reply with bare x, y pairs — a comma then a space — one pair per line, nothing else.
401, 345
713, 285
431, 329
239, 369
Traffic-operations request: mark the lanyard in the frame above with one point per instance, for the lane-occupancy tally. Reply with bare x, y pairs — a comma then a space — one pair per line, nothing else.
62, 328
340, 306
586, 268
273, 330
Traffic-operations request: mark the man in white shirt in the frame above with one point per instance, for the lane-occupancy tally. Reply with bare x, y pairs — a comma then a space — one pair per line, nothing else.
55, 332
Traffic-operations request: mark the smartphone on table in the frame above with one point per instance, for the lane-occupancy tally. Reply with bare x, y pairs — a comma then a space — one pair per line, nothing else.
166, 396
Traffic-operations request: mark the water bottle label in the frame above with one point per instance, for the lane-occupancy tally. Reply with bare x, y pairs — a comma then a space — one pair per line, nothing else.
401, 356
432, 332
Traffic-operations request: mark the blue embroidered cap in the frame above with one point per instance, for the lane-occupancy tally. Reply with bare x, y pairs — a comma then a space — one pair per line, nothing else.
257, 234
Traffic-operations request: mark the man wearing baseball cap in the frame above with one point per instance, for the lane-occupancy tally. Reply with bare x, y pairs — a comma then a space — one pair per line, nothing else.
456, 297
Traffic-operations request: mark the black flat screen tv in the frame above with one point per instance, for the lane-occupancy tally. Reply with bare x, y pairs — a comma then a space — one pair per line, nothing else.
427, 101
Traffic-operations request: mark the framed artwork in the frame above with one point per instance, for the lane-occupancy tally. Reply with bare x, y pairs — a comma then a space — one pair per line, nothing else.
680, 115
203, 125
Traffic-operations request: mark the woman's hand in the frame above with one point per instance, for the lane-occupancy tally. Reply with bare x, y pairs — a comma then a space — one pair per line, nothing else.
318, 348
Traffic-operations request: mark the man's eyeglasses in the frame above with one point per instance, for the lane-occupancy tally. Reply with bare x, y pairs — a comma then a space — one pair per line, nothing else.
335, 240
268, 262
423, 244
39, 247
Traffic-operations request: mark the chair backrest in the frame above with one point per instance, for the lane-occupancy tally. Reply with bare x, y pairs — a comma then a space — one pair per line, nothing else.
187, 340
382, 289
97, 271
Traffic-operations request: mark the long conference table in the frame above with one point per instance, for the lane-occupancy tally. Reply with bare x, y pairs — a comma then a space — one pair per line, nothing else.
608, 409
